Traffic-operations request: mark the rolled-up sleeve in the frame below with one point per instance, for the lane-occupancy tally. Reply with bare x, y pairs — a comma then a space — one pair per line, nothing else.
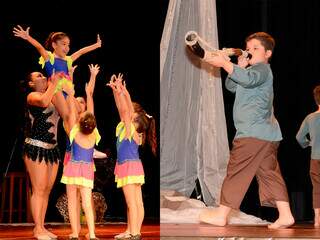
302, 135
250, 77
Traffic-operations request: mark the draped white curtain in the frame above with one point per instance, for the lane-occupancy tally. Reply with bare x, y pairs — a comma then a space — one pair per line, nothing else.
193, 135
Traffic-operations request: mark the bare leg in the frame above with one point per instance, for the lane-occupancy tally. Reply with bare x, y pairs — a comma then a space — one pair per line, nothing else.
60, 104
72, 208
140, 206
285, 217
126, 233
316, 217
78, 207
38, 173
86, 197
52, 173
217, 216
130, 196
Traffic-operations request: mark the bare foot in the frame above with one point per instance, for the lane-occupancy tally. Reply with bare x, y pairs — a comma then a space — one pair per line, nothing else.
41, 236
212, 216
50, 234
317, 222
316, 217
281, 223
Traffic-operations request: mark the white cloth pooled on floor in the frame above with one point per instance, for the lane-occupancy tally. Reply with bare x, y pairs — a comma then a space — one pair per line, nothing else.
176, 208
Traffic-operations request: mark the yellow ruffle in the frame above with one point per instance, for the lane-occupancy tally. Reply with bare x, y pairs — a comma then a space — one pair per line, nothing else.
76, 129
77, 181
69, 62
121, 131
51, 59
68, 59
61, 82
129, 180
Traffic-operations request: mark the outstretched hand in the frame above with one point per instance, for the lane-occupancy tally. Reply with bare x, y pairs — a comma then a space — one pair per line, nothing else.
94, 69
99, 42
71, 71
116, 83
20, 32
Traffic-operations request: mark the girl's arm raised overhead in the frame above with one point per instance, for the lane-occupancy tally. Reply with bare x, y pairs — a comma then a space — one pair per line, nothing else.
94, 70
115, 83
87, 49
128, 99
24, 34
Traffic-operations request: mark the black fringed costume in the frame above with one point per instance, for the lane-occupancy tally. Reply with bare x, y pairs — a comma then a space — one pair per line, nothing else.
41, 137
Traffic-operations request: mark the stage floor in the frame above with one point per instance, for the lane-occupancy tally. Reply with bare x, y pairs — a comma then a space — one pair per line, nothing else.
205, 231
170, 231
103, 231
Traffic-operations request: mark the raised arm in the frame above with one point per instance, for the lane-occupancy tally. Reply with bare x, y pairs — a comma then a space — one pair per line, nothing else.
24, 34
114, 88
128, 99
119, 95
44, 99
117, 85
219, 59
87, 49
94, 70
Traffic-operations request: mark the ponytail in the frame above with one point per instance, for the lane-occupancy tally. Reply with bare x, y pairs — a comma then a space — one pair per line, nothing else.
152, 136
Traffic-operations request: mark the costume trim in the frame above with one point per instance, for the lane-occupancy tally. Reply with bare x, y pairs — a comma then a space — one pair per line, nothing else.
129, 180
39, 143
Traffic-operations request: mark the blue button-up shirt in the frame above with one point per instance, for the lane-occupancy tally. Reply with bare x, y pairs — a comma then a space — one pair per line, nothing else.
311, 126
253, 106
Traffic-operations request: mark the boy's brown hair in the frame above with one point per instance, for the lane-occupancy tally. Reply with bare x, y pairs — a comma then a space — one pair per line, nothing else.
266, 40
316, 94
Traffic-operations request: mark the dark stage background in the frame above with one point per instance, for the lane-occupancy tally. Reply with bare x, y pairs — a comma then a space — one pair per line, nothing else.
295, 27
129, 45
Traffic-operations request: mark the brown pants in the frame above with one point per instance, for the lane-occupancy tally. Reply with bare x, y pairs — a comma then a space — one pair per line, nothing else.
251, 157
315, 179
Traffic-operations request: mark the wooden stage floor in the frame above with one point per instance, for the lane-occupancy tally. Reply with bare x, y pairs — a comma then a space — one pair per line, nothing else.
103, 231
232, 232
171, 231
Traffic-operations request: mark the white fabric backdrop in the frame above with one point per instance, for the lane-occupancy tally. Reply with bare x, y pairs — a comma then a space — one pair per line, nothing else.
193, 134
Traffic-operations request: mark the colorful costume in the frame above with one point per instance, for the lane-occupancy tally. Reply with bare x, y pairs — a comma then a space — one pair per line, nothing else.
67, 155
128, 169
41, 136
79, 170
57, 65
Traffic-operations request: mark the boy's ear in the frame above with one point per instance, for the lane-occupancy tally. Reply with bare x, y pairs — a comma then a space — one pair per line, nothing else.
268, 53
